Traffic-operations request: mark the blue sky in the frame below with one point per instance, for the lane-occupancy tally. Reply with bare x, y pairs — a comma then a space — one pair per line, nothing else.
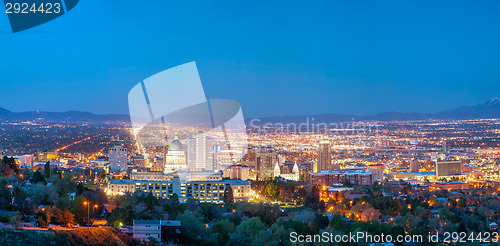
280, 58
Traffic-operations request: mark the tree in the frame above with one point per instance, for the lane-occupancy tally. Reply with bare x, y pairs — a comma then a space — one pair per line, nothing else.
37, 177
223, 229
172, 206
300, 227
174, 199
321, 221
8, 166
46, 170
15, 220
119, 215
41, 194
67, 218
301, 193
322, 206
228, 195
271, 190
267, 212
453, 203
208, 211
338, 223
47, 215
276, 235
5, 198
237, 239
192, 204
312, 198
462, 202
191, 228
249, 227
56, 172
364, 212
61, 217
55, 215
151, 241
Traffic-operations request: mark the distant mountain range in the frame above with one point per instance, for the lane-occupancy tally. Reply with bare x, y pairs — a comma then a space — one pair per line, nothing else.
485, 110
69, 116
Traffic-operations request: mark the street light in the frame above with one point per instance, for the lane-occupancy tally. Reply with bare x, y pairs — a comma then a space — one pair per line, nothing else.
88, 212
94, 208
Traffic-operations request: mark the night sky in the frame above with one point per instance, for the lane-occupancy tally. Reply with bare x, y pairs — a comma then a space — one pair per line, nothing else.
281, 58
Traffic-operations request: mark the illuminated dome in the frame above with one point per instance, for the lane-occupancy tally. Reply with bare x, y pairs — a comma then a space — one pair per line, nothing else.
175, 145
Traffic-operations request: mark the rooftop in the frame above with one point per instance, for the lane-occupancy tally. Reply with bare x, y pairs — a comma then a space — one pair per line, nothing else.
158, 222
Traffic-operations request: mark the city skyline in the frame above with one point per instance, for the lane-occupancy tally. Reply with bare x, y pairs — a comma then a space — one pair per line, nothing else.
249, 123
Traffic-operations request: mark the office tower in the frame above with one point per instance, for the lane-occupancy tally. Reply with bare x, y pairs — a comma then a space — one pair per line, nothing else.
45, 156
414, 166
444, 146
448, 168
226, 158
265, 161
237, 172
324, 157
26, 160
201, 153
42, 157
118, 158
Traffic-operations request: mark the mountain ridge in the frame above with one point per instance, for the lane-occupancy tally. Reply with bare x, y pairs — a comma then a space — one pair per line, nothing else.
484, 110
70, 116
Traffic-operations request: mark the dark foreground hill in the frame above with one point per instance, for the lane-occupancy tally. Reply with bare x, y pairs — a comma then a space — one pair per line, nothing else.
82, 236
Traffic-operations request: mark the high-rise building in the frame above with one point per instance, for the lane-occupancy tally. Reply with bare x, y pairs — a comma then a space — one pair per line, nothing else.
237, 172
45, 156
26, 160
444, 146
201, 153
448, 168
227, 158
265, 160
315, 167
414, 166
118, 158
324, 156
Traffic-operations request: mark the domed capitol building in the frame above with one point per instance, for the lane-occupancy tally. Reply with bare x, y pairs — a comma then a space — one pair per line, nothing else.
175, 158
